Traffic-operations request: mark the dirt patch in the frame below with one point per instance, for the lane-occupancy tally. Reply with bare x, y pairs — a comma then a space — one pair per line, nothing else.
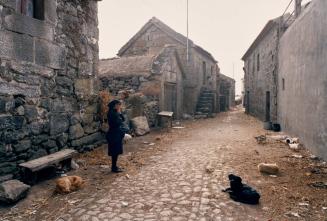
289, 196
95, 168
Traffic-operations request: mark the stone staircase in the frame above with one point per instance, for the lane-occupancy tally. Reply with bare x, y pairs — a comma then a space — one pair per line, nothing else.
205, 105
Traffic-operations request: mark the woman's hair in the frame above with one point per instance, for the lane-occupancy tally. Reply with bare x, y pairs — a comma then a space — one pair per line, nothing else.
112, 105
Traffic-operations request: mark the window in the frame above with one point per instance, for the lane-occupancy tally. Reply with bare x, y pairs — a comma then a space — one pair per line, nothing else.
212, 70
283, 84
31, 8
258, 62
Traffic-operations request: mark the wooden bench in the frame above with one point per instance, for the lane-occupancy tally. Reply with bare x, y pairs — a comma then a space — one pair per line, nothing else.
31, 168
166, 114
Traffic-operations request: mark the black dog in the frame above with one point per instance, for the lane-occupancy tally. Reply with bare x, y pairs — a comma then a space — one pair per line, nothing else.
240, 192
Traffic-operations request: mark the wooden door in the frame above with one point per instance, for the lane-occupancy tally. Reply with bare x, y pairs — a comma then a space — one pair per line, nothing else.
170, 98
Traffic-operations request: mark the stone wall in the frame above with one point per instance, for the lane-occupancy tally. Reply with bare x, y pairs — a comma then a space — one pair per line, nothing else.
303, 78
226, 92
116, 84
48, 72
261, 76
165, 73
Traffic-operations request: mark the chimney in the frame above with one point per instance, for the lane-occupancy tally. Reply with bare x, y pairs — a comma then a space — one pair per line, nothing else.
298, 7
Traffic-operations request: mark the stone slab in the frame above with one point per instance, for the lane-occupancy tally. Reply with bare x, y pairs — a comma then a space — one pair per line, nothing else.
49, 55
8, 3
16, 46
14, 88
59, 123
27, 25
12, 191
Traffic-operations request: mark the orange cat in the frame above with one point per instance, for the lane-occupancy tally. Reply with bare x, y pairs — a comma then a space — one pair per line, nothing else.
69, 184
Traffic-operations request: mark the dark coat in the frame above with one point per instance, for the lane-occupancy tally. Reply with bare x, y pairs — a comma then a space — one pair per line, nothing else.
116, 133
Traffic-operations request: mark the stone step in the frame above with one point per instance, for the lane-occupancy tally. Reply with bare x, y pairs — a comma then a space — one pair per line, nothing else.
204, 110
201, 116
205, 99
207, 90
209, 107
207, 94
205, 103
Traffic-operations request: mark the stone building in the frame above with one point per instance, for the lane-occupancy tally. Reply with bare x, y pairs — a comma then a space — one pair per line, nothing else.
48, 68
200, 70
159, 77
294, 73
226, 93
302, 82
260, 68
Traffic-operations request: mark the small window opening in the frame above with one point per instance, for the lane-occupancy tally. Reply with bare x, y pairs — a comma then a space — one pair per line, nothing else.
283, 84
258, 62
31, 8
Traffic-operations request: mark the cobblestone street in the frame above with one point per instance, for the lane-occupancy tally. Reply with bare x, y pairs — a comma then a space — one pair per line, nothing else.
181, 176
175, 185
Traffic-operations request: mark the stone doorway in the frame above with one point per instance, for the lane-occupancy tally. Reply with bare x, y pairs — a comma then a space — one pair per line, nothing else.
268, 106
170, 98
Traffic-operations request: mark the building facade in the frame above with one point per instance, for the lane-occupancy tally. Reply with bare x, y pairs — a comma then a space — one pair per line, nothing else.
226, 93
201, 68
302, 82
159, 77
48, 68
261, 72
288, 61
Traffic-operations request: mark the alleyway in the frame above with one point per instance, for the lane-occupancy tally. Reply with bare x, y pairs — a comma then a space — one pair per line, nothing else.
173, 183
175, 186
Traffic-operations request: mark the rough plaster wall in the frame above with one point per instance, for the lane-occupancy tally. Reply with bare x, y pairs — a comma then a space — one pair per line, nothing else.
47, 81
302, 60
259, 82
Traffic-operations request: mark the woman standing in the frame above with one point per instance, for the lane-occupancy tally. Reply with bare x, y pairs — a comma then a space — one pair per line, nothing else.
115, 134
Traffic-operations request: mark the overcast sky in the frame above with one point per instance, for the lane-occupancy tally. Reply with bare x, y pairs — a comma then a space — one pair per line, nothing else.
225, 28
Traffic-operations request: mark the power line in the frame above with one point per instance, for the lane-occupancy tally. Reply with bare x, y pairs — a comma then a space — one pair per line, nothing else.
289, 4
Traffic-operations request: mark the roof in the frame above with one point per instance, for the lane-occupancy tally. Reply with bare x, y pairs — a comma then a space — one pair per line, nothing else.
268, 27
224, 77
169, 31
126, 66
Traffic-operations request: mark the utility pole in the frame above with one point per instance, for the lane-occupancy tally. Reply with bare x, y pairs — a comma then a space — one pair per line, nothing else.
187, 30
